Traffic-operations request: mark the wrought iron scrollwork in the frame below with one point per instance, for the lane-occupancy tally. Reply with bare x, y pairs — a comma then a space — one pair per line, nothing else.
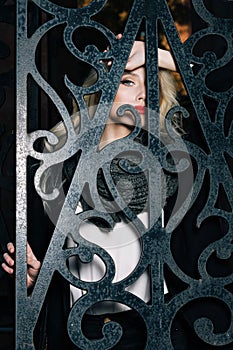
213, 161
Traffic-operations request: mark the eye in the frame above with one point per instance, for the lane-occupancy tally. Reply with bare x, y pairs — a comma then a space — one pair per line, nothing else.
127, 82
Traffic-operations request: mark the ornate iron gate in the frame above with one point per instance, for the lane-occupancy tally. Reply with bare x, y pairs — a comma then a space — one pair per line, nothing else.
213, 161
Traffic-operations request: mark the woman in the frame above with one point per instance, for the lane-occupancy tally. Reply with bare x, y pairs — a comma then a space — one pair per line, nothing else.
132, 90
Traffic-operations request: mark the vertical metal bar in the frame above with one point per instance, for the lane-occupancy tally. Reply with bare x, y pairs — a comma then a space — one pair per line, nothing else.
23, 337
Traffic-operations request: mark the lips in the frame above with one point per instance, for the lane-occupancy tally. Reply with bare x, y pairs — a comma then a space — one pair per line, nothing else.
140, 109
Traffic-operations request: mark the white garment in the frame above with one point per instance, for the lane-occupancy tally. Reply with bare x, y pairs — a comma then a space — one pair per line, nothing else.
123, 245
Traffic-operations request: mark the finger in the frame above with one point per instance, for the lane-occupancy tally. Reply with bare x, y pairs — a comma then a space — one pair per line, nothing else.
31, 258
119, 36
8, 259
109, 62
10, 247
30, 253
7, 268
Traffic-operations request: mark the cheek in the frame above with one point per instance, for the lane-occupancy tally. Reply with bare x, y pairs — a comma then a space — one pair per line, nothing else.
118, 97
123, 96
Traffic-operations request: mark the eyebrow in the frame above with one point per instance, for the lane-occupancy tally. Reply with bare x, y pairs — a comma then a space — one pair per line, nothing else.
130, 72
127, 71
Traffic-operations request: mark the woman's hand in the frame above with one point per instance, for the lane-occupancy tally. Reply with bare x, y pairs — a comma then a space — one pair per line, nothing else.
33, 265
137, 57
165, 60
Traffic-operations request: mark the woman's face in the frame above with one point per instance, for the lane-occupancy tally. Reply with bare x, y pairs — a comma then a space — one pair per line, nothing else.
132, 90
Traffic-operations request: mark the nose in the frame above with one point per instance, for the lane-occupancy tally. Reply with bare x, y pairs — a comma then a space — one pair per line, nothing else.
142, 94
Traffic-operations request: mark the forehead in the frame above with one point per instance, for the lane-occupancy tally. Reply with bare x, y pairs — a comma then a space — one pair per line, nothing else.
137, 72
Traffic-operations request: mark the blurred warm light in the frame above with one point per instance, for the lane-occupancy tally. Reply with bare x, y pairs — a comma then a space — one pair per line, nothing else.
123, 15
83, 3
183, 30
